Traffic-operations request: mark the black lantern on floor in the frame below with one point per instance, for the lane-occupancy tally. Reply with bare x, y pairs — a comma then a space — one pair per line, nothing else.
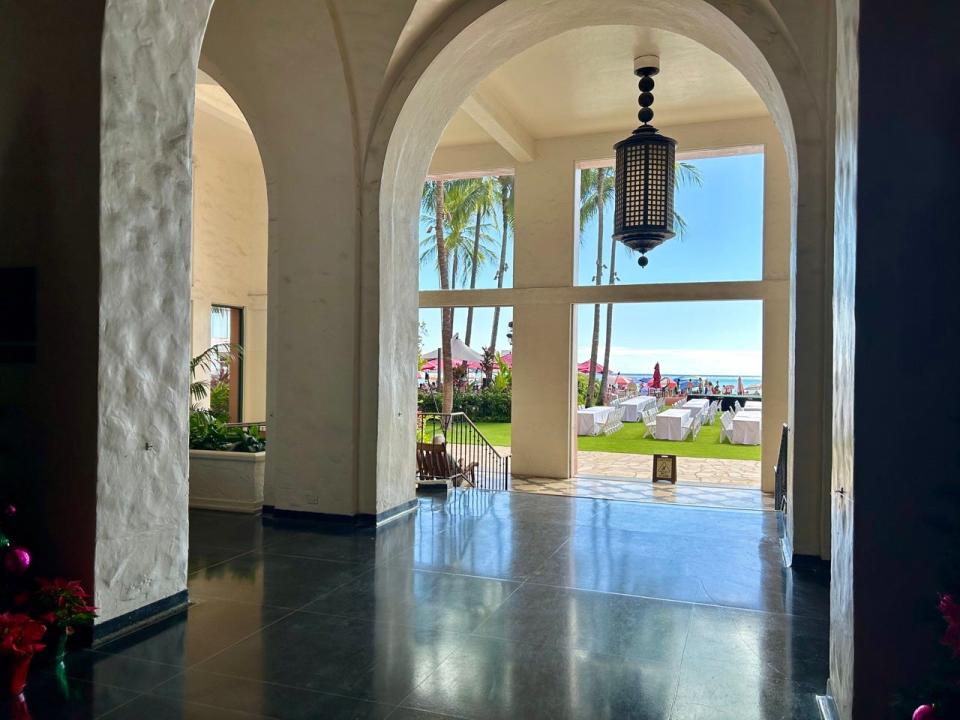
643, 210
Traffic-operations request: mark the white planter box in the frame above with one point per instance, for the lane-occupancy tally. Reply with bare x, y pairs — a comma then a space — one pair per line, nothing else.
231, 481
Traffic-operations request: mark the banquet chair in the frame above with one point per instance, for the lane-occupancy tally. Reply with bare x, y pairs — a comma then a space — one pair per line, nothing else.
650, 427
694, 428
614, 421
726, 429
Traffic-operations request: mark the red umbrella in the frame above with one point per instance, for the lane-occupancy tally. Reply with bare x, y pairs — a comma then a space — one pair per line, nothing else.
622, 380
429, 365
507, 359
739, 386
584, 367
655, 382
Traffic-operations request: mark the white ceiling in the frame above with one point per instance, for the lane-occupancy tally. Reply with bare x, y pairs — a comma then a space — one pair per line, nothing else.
582, 82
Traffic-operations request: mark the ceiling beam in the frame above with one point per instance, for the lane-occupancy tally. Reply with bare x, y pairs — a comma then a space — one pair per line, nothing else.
490, 114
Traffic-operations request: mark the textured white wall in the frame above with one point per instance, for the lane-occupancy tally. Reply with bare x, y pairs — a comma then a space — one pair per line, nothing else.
149, 60
230, 244
844, 372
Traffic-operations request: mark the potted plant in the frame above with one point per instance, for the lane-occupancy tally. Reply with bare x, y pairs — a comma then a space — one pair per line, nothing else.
62, 605
226, 465
20, 638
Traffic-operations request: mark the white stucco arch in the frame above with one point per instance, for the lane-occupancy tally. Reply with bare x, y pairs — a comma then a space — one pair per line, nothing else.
436, 78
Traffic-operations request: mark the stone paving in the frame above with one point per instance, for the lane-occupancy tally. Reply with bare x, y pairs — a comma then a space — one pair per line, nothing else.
733, 473
637, 490
706, 482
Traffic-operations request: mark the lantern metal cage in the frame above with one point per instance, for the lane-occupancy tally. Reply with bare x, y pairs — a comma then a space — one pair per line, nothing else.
643, 214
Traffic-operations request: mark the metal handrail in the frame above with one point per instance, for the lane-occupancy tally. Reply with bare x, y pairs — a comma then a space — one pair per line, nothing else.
488, 468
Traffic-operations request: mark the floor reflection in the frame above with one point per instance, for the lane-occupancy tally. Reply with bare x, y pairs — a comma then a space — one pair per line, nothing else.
479, 605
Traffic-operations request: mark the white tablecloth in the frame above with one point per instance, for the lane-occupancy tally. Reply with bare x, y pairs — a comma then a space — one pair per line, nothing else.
753, 405
590, 420
672, 424
697, 405
746, 429
635, 407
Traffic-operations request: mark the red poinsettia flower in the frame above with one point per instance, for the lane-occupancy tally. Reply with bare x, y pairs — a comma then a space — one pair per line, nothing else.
62, 603
20, 634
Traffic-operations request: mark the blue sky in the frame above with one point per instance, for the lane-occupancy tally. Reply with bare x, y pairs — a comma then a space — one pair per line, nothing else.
723, 242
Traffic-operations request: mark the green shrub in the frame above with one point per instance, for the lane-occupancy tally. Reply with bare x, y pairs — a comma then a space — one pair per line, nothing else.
581, 389
207, 432
488, 405
220, 401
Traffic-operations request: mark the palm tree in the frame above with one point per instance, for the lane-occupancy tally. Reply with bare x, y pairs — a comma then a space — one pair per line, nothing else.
596, 189
450, 206
483, 200
433, 201
684, 174
504, 192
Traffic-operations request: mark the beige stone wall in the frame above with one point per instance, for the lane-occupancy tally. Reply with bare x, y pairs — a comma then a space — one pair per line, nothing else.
230, 242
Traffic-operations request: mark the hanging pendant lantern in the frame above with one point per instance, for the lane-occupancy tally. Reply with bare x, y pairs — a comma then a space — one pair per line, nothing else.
643, 209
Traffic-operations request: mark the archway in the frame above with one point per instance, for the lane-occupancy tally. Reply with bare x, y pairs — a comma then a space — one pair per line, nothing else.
229, 299
463, 51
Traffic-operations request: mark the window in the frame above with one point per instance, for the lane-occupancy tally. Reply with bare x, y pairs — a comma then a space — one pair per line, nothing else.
719, 204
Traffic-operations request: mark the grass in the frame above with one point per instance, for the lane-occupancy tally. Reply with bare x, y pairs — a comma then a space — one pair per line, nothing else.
630, 440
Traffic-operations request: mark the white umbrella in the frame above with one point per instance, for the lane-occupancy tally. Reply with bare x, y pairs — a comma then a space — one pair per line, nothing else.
459, 352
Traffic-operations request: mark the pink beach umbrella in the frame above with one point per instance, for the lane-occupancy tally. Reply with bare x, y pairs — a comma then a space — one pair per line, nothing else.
507, 359
739, 386
622, 381
655, 382
584, 367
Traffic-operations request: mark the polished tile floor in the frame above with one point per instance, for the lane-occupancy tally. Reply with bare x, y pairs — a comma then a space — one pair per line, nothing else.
635, 490
481, 605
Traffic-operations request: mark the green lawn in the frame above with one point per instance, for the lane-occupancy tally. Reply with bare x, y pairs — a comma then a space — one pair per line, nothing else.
629, 440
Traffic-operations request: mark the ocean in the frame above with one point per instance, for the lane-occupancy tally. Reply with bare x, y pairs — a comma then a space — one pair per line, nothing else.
683, 377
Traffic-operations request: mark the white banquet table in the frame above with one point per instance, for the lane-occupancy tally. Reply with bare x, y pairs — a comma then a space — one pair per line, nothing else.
635, 407
753, 405
746, 428
697, 405
671, 423
590, 420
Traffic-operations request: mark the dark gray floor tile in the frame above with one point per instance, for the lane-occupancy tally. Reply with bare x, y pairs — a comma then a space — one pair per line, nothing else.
203, 556
275, 580
117, 671
404, 713
156, 708
399, 594
355, 658
755, 689
47, 698
503, 548
238, 531
493, 678
275, 701
207, 626
607, 624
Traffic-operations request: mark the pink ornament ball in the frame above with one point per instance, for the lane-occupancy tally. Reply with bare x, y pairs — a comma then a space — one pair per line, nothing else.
9, 510
16, 561
925, 712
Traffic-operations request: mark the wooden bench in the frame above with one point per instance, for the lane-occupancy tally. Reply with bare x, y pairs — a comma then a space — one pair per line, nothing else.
434, 466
